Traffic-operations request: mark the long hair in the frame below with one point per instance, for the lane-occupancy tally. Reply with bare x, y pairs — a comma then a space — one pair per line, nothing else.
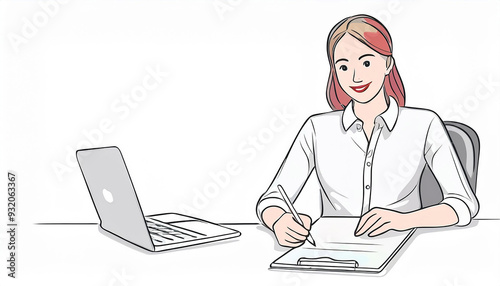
372, 33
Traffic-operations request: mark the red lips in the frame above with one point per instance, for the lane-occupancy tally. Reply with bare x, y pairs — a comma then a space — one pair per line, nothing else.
360, 88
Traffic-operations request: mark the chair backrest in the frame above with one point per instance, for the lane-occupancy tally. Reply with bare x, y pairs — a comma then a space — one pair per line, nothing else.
466, 144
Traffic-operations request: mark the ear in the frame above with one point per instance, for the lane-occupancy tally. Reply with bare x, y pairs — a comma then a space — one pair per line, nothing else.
389, 64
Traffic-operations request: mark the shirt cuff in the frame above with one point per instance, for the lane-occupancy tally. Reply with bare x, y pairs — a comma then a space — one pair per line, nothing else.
460, 208
270, 202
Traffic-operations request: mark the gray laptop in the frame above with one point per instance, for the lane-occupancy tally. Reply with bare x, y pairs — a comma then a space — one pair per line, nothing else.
120, 213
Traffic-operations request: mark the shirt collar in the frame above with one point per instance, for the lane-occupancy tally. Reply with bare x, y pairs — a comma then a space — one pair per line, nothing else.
390, 116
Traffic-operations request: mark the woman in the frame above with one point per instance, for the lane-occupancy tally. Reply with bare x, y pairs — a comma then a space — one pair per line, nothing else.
360, 151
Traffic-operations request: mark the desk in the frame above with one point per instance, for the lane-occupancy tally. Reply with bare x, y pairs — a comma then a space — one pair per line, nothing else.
82, 255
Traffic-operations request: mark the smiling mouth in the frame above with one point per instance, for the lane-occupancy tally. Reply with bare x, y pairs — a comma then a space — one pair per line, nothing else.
360, 88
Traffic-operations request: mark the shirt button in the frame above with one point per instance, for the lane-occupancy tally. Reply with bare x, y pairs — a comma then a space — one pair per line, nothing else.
368, 164
358, 127
367, 187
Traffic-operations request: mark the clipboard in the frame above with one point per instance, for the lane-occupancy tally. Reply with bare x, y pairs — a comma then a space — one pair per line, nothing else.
338, 250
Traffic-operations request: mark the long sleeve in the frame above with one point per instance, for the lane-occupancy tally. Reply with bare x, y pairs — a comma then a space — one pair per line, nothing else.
442, 159
293, 172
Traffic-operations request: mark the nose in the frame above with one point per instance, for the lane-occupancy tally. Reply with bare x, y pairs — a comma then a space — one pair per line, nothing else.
354, 78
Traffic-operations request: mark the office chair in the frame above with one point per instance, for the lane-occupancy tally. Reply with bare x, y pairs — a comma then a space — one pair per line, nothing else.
466, 143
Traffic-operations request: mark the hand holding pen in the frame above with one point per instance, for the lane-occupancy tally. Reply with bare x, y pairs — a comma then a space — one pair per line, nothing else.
292, 229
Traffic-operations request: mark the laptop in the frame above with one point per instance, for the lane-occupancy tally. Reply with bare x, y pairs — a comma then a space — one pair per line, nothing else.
120, 212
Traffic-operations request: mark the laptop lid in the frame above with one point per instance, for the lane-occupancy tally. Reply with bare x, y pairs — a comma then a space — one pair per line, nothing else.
113, 194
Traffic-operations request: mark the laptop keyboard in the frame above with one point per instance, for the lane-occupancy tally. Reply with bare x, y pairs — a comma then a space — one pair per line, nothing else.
163, 233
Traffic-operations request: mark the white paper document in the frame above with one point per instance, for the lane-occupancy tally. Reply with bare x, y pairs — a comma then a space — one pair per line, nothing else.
337, 249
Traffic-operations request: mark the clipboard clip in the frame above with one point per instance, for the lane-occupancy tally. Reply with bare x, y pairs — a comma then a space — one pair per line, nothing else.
327, 262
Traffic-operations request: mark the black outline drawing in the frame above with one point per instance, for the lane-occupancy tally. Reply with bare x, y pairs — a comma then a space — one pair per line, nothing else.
335, 265
168, 235
296, 216
464, 149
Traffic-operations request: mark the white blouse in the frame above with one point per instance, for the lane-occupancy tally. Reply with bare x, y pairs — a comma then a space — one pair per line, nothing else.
356, 175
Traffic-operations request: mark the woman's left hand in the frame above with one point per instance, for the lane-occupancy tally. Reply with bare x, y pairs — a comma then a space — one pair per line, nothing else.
378, 221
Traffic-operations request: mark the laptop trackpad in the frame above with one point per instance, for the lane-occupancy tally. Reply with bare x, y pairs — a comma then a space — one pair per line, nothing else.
202, 228
171, 217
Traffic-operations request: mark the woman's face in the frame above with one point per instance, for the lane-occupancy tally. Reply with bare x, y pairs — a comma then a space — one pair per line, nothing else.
360, 70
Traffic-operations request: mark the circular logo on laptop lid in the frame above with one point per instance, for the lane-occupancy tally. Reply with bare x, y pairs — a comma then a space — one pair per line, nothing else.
108, 196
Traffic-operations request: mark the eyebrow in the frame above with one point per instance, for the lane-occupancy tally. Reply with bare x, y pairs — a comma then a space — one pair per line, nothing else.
341, 60
366, 55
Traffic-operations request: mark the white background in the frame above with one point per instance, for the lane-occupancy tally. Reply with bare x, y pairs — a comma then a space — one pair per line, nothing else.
231, 66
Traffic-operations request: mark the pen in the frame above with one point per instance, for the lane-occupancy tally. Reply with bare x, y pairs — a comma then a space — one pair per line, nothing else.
294, 213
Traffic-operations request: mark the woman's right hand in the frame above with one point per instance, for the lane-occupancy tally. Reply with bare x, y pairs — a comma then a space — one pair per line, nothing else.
289, 232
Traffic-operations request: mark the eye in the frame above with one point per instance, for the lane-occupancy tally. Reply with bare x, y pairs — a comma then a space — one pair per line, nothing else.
343, 68
366, 63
